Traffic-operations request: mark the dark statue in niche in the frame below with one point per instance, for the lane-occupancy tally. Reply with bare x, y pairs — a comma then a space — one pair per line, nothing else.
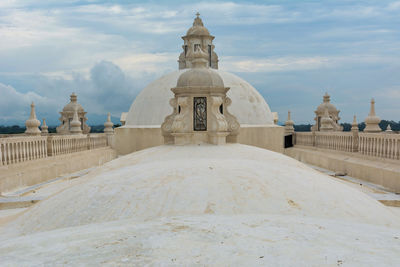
200, 113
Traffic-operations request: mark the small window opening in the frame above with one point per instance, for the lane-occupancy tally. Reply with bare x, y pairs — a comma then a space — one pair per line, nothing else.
179, 109
221, 109
185, 50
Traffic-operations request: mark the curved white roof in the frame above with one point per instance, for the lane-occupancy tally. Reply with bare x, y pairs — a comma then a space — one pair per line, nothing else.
223, 205
151, 106
229, 179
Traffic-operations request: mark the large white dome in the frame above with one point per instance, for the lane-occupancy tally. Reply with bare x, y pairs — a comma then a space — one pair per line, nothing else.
151, 106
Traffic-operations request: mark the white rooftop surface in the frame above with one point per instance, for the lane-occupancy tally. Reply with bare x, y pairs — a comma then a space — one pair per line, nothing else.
206, 205
152, 104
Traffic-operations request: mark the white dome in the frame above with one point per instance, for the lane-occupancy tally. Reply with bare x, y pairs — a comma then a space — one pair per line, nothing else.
151, 106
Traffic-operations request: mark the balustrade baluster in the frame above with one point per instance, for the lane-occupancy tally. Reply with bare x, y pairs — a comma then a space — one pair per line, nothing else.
1, 153
33, 149
12, 152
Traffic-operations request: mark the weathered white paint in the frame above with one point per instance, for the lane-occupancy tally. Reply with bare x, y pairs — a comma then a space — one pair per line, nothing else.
209, 240
224, 205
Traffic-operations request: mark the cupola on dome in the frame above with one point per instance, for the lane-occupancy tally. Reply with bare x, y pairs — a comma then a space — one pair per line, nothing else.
73, 105
326, 104
248, 106
200, 75
198, 27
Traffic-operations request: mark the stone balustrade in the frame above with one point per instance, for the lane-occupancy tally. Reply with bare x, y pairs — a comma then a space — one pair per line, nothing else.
304, 138
98, 140
381, 145
342, 141
23, 148
65, 144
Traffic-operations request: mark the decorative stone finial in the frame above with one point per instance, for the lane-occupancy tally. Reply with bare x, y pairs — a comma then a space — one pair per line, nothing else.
196, 37
354, 125
108, 125
32, 124
289, 129
326, 122
275, 116
372, 121
75, 124
372, 110
73, 97
45, 128
388, 129
326, 98
197, 21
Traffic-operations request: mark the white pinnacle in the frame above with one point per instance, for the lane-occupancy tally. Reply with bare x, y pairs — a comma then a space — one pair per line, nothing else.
32, 124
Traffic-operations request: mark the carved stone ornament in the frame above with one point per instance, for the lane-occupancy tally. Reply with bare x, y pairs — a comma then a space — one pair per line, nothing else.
180, 123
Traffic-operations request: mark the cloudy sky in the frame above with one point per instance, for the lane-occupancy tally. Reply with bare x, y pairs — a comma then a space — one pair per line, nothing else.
107, 51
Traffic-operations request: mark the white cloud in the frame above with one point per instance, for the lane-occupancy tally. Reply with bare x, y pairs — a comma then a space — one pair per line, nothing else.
59, 42
352, 32
229, 13
106, 89
274, 64
390, 93
357, 12
156, 63
16, 106
394, 6
237, 64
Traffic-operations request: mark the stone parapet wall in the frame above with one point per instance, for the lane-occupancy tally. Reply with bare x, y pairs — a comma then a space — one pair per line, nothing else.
384, 172
130, 139
26, 148
36, 171
382, 145
270, 137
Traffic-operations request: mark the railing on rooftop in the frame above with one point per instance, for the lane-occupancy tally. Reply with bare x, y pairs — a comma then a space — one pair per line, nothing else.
25, 148
379, 145
382, 145
20, 149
